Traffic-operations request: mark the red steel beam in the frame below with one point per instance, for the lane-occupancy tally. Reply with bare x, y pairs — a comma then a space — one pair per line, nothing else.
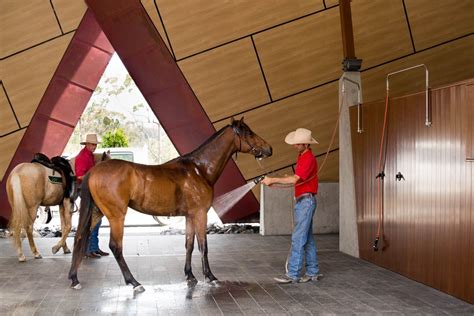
160, 80
64, 101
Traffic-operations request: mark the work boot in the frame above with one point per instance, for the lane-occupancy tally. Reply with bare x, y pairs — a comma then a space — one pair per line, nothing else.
307, 278
102, 253
93, 255
284, 279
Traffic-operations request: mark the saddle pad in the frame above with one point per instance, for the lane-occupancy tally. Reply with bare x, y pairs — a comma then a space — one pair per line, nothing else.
55, 180
53, 176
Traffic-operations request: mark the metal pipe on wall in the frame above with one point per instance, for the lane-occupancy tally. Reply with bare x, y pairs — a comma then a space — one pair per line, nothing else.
427, 113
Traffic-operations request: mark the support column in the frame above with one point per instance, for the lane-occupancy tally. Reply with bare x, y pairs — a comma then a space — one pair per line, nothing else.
348, 236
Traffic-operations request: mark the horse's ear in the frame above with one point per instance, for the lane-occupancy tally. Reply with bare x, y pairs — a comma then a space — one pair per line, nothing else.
232, 120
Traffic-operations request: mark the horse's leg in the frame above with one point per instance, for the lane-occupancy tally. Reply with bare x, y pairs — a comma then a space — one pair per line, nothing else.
200, 224
189, 244
67, 225
34, 250
65, 216
18, 246
116, 245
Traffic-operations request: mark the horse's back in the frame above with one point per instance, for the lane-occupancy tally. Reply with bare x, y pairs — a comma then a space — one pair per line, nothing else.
31, 181
151, 189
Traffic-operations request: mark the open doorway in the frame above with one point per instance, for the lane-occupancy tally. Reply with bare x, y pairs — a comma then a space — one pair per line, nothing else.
125, 124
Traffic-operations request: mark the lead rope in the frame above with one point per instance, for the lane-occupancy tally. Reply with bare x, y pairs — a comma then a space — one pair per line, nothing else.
380, 180
325, 156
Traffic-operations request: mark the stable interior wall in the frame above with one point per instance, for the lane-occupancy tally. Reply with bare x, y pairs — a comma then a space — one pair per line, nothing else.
427, 232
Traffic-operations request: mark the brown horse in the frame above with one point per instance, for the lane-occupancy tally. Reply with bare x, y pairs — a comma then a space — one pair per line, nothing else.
183, 186
28, 187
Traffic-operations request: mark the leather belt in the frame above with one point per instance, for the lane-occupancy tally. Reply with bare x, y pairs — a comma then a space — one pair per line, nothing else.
304, 195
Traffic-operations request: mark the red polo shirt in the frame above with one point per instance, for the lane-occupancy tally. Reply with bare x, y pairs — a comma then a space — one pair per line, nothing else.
84, 162
307, 170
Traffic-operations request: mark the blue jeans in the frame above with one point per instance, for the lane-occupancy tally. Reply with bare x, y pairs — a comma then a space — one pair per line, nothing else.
303, 246
94, 238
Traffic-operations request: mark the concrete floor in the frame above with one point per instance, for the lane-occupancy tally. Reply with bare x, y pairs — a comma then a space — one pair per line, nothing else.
244, 264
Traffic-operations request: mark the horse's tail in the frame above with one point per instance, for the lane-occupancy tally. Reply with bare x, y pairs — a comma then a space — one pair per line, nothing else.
83, 230
20, 215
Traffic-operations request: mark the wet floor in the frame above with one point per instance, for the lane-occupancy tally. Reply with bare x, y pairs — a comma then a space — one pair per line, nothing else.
244, 264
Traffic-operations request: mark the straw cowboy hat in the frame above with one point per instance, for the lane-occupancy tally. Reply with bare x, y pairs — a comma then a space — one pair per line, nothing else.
91, 139
300, 136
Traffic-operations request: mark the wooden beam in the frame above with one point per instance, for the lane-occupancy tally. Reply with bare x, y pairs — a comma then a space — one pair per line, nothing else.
346, 29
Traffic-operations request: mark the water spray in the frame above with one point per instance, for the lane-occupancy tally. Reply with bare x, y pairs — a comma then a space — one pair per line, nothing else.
226, 201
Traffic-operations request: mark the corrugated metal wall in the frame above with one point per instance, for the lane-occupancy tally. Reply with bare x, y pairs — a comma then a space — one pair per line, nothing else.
428, 222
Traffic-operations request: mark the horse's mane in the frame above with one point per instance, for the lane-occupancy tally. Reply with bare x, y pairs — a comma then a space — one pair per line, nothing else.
239, 127
209, 140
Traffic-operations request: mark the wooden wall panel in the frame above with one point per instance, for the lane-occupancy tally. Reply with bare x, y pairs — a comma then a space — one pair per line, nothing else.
8, 146
70, 13
222, 87
378, 25
26, 23
433, 24
26, 75
150, 8
443, 68
274, 125
9, 123
428, 216
302, 54
197, 25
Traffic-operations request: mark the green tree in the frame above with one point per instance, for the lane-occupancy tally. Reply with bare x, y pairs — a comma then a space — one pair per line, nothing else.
117, 138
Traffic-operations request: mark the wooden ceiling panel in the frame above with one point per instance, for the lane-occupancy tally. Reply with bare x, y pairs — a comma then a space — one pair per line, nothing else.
26, 75
70, 13
150, 8
24, 24
8, 146
315, 109
331, 3
436, 22
330, 170
446, 64
381, 32
301, 54
226, 80
197, 25
7, 117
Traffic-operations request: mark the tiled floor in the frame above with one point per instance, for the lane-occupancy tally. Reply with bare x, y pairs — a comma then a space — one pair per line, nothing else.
244, 264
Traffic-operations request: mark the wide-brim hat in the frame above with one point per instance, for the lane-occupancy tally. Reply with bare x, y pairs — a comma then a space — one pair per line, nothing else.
300, 136
91, 139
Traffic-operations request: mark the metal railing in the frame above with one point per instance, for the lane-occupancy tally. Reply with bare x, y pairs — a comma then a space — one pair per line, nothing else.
427, 113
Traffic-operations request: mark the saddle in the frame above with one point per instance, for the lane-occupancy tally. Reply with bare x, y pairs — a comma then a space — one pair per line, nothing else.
62, 166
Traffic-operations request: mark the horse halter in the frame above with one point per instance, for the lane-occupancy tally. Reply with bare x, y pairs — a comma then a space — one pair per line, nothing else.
253, 150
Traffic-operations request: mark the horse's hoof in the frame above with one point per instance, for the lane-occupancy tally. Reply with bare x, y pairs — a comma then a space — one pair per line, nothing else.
55, 250
38, 256
138, 289
192, 282
66, 251
212, 280
22, 259
78, 286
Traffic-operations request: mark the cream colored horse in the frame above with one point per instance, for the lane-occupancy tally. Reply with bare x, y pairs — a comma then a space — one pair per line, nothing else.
28, 187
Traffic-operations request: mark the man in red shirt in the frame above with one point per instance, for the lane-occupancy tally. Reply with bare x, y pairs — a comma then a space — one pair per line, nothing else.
305, 180
84, 162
